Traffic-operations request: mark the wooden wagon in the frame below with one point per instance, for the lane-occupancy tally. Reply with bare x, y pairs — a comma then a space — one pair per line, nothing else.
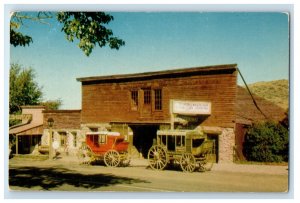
191, 149
109, 147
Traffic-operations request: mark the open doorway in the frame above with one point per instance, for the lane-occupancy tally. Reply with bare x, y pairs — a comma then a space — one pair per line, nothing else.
215, 137
143, 136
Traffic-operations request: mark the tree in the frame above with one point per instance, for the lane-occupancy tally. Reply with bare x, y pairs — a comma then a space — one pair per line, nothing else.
267, 142
87, 27
23, 90
52, 104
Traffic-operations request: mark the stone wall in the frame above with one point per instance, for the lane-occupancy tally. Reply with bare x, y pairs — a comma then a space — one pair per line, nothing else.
226, 144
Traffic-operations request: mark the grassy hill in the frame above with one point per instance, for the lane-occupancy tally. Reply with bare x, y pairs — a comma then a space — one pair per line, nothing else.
276, 91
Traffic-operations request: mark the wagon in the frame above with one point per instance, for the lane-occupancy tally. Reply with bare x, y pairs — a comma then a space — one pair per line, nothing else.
109, 147
189, 148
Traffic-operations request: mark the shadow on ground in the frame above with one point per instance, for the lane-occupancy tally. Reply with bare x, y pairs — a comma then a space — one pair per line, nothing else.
50, 178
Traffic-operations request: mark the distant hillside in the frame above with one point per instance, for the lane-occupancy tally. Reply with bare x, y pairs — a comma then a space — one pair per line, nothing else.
276, 91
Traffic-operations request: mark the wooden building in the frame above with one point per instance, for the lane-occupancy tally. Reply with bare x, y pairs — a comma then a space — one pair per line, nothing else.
27, 135
140, 104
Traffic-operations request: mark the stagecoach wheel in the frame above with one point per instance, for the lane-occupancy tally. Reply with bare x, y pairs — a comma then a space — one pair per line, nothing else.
112, 158
208, 162
84, 155
125, 160
187, 162
157, 157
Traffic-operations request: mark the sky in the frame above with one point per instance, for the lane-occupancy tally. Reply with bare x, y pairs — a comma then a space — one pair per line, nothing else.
257, 42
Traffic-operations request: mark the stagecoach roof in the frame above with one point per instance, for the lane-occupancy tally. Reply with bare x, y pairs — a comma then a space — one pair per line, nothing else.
194, 133
104, 133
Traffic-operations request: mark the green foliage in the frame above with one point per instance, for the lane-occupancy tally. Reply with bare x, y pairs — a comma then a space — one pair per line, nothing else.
52, 104
89, 29
23, 90
266, 142
13, 122
19, 39
285, 120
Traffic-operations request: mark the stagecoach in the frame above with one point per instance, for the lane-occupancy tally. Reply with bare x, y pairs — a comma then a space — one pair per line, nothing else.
191, 149
109, 147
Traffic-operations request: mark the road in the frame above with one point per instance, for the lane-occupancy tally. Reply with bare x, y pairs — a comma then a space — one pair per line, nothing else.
70, 176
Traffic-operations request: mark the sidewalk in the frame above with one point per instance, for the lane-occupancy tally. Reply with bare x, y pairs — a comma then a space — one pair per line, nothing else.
251, 168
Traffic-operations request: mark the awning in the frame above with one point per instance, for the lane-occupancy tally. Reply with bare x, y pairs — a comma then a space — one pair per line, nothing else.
27, 129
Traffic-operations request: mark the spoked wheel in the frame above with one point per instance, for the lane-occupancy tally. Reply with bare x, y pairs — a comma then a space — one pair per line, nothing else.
208, 163
187, 162
157, 157
112, 158
125, 160
84, 155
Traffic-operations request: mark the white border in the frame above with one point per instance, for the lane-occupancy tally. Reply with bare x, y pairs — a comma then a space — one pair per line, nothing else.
213, 6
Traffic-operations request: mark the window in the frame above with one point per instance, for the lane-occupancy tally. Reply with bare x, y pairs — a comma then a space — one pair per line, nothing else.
158, 99
147, 96
63, 138
102, 139
134, 100
74, 139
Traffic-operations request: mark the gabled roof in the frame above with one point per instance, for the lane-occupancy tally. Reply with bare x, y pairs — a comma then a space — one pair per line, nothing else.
206, 70
247, 113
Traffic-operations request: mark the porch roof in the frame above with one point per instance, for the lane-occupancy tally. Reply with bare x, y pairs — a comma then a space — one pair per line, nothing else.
27, 129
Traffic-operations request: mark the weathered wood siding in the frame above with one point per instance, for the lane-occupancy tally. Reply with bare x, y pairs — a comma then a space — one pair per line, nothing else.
111, 101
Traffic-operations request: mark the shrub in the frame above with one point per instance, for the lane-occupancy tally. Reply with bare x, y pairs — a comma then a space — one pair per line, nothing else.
266, 142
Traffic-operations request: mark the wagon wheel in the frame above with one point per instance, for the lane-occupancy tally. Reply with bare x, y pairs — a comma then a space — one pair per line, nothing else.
112, 158
157, 157
208, 162
125, 160
85, 155
187, 162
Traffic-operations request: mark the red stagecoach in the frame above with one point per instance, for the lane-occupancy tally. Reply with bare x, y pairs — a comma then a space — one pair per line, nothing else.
109, 147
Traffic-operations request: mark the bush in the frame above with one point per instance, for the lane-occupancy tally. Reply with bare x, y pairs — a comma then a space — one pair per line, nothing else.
266, 142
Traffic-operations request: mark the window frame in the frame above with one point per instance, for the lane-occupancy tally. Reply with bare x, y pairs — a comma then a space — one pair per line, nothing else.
134, 100
158, 105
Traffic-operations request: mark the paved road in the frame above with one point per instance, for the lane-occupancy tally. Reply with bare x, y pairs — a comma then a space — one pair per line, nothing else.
63, 175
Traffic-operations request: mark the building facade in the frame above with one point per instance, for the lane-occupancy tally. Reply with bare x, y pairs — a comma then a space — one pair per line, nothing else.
24, 137
65, 131
138, 105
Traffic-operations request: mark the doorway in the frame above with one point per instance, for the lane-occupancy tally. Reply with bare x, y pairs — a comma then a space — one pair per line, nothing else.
215, 138
143, 137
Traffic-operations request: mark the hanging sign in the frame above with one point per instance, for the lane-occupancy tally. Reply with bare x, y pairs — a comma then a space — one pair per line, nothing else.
191, 107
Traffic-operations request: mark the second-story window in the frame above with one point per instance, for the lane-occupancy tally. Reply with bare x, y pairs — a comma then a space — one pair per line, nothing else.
157, 99
134, 100
147, 96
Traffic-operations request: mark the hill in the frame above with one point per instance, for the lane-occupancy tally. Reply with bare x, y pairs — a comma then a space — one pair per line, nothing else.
276, 91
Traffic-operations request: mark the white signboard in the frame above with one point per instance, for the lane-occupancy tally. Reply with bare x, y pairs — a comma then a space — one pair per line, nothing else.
191, 107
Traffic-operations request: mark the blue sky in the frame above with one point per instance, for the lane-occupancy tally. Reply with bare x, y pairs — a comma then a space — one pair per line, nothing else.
257, 42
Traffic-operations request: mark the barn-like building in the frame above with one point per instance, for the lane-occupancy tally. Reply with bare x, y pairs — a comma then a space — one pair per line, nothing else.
137, 105
140, 104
